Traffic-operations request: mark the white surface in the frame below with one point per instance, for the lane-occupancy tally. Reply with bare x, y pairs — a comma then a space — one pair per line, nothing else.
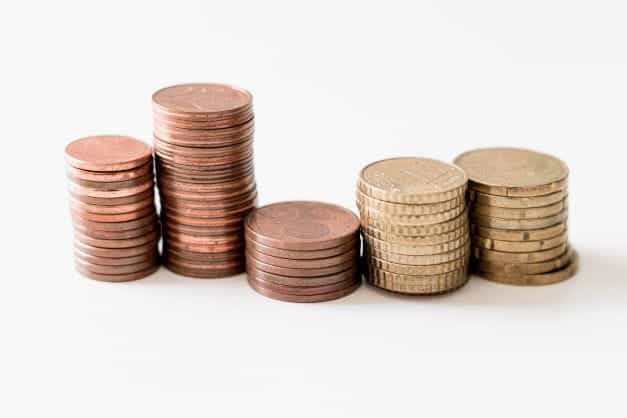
336, 86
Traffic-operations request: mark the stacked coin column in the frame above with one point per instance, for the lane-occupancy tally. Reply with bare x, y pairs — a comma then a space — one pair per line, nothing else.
414, 224
519, 211
203, 136
116, 230
303, 251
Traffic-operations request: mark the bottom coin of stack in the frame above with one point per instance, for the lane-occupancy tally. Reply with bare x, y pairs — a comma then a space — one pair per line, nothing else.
414, 224
302, 251
519, 213
116, 229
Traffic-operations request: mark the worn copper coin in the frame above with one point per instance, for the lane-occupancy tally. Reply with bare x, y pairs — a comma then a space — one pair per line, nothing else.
119, 261
222, 247
129, 191
121, 269
107, 153
299, 290
116, 217
81, 207
343, 276
317, 263
112, 186
115, 252
235, 255
204, 270
302, 254
152, 236
117, 277
80, 223
108, 201
131, 233
171, 216
298, 272
110, 176
197, 101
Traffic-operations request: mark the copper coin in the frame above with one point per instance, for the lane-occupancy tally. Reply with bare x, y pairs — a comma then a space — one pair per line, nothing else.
80, 207
343, 276
302, 254
206, 196
203, 152
86, 191
112, 186
125, 269
300, 298
131, 233
115, 252
235, 255
123, 261
118, 217
207, 170
233, 158
205, 240
240, 183
213, 124
216, 271
302, 225
195, 100
317, 263
117, 277
114, 226
298, 272
210, 205
152, 236
107, 153
205, 132
110, 201
203, 139
300, 290
196, 177
111, 176
203, 230
172, 217
203, 248
243, 210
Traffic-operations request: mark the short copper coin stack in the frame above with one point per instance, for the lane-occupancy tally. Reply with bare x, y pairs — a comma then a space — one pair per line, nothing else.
414, 224
116, 229
203, 136
303, 251
519, 212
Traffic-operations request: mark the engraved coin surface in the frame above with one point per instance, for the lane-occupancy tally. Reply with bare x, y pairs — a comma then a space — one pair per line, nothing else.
201, 98
107, 153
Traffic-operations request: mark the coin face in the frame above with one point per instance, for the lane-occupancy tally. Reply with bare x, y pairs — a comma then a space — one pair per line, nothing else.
107, 153
512, 171
201, 98
412, 180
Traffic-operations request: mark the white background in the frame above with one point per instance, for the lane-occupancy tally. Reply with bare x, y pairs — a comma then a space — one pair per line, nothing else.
337, 85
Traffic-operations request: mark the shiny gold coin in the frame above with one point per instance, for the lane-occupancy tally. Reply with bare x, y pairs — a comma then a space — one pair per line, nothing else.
420, 260
416, 230
415, 240
504, 269
520, 247
406, 249
527, 213
518, 236
551, 277
530, 257
513, 172
518, 224
412, 180
418, 285
411, 220
407, 209
517, 202
416, 270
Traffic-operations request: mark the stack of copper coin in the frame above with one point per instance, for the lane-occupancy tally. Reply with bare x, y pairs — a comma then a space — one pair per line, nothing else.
116, 229
415, 225
303, 251
203, 137
518, 216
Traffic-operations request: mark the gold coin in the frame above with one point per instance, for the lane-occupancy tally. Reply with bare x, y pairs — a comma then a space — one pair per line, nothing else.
554, 276
504, 269
527, 213
518, 224
408, 209
513, 172
416, 230
517, 202
519, 236
530, 257
429, 219
414, 270
418, 285
385, 246
420, 260
519, 247
412, 180
415, 240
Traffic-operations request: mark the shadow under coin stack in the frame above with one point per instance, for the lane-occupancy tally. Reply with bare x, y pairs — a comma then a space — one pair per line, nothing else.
303, 251
519, 211
415, 225
203, 136
116, 229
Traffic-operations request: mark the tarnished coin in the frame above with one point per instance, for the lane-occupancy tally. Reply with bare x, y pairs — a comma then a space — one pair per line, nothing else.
412, 180
416, 230
522, 246
345, 276
117, 277
324, 297
519, 224
298, 272
107, 153
513, 172
110, 176
418, 285
303, 254
527, 213
317, 263
517, 202
368, 213
515, 269
530, 257
418, 259
412, 249
554, 276
518, 235
417, 270
401, 209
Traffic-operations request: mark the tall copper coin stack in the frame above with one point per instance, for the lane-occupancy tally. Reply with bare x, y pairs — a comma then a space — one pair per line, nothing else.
303, 251
414, 224
518, 216
116, 229
203, 136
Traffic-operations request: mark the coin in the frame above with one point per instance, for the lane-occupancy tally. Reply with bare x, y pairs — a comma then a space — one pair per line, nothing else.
131, 233
518, 235
201, 101
422, 285
517, 202
412, 249
107, 153
317, 263
303, 254
110, 176
526, 213
554, 276
530, 257
519, 224
235, 255
115, 252
420, 240
90, 192
407, 209
324, 297
368, 213
416, 230
116, 217
112, 186
520, 247
122, 261
152, 236
513, 172
298, 272
121, 269
505, 269
114, 226
417, 270
418, 259
108, 201
412, 180
205, 270
117, 277
80, 207
345, 276
300, 290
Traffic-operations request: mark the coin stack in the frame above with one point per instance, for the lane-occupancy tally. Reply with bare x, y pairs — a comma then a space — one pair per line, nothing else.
203, 137
414, 224
116, 229
303, 251
518, 216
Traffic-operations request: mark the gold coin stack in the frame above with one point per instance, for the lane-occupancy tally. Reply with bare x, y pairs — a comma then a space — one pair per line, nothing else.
414, 224
518, 216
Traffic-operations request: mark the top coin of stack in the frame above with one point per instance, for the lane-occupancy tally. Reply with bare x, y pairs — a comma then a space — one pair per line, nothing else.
116, 230
303, 251
519, 212
203, 137
414, 224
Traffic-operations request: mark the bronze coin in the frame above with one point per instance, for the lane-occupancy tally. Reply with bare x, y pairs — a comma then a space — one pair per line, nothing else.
203, 152
202, 121
118, 217
222, 160
107, 153
205, 240
203, 139
298, 272
175, 203
110, 261
124, 269
300, 290
203, 131
207, 170
117, 277
243, 210
213, 124
199, 100
81, 207
173, 217
110, 201
80, 223
115, 252
214, 271
205, 196
220, 247
235, 255
343, 276
317, 263
302, 225
240, 183
273, 294
203, 230
111, 176
195, 177
152, 236
85, 191
302, 254
114, 185
131, 233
